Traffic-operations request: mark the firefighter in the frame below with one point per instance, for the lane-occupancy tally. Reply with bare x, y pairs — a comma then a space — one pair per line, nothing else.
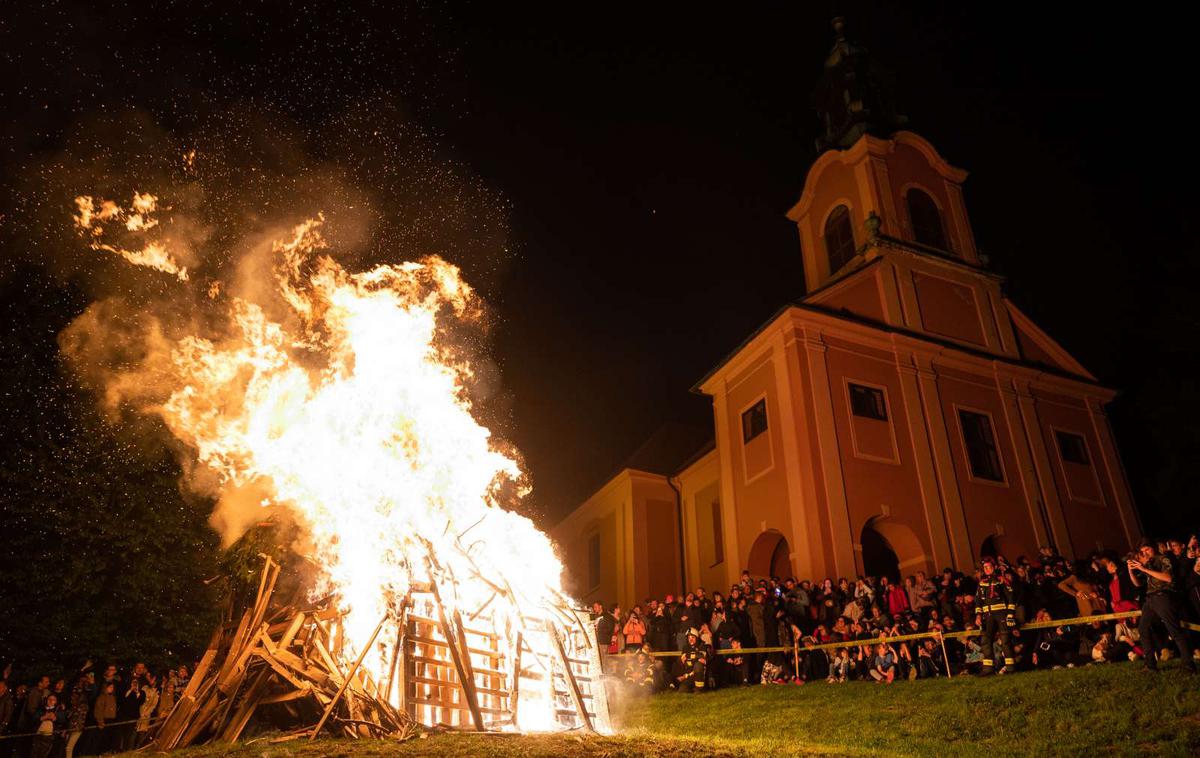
640, 671
694, 663
994, 615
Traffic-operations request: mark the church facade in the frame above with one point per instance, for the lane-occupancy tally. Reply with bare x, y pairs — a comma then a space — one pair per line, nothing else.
902, 415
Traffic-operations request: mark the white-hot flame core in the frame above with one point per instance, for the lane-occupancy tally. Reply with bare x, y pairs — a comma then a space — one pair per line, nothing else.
352, 414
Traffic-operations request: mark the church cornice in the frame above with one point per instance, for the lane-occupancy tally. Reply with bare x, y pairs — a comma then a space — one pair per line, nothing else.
931, 344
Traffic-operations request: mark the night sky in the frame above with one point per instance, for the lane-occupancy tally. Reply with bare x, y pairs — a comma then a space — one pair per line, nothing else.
621, 172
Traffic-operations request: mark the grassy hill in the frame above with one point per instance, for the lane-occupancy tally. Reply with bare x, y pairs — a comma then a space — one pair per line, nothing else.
1115, 709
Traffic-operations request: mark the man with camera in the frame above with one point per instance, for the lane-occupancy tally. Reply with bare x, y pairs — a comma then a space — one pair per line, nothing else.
1155, 571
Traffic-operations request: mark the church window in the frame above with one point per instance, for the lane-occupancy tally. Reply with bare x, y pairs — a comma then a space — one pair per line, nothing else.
593, 561
839, 238
867, 402
982, 453
926, 219
1072, 447
754, 420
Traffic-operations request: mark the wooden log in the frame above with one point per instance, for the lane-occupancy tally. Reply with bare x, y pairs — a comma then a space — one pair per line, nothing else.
401, 623
237, 671
201, 671
362, 654
235, 646
286, 697
245, 709
514, 684
335, 671
290, 634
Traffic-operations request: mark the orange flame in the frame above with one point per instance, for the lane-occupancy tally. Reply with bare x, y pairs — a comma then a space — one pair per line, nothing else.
353, 413
92, 217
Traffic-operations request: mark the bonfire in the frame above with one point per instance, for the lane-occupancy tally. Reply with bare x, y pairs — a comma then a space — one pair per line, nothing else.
342, 398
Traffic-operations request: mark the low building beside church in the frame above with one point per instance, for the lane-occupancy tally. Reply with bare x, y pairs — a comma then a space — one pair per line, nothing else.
902, 415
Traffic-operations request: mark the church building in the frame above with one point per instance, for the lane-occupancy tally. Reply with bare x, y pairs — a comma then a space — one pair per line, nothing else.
902, 415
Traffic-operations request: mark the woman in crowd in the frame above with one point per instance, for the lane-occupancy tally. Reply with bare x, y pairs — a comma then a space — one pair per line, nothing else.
634, 630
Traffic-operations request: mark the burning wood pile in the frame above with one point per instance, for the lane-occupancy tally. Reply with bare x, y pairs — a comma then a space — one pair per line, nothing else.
346, 402
289, 665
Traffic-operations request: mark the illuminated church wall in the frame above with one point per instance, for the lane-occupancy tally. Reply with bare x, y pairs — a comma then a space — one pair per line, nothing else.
903, 401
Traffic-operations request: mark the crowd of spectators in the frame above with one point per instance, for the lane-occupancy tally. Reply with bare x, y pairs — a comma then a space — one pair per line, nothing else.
802, 614
88, 712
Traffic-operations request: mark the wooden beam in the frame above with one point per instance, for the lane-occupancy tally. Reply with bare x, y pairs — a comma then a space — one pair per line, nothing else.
514, 684
576, 695
462, 661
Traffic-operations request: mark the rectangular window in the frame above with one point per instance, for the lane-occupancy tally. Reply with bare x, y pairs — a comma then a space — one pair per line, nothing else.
1072, 447
867, 402
754, 420
981, 446
593, 561
718, 535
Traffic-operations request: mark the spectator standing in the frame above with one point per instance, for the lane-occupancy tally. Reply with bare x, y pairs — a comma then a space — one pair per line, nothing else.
105, 712
682, 620
77, 712
634, 630
166, 700
129, 710
45, 722
1155, 571
660, 626
146, 714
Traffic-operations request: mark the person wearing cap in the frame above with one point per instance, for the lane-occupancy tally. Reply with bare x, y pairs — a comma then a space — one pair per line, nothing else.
694, 662
995, 615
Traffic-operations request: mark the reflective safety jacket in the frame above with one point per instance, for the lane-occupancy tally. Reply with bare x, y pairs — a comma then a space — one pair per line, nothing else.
994, 595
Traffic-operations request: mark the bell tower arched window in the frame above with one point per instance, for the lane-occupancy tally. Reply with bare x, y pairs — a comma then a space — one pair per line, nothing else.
926, 219
839, 238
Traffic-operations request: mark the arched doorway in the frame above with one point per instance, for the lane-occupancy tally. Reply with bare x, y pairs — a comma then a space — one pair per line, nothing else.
770, 556
879, 559
891, 547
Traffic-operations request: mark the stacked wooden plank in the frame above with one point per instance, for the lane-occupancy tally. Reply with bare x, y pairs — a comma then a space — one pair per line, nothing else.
449, 668
282, 663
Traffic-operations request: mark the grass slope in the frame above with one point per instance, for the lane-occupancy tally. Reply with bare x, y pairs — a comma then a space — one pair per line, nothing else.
1114, 710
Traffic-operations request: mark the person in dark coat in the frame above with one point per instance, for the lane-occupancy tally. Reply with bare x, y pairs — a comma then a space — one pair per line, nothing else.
129, 710
660, 626
606, 626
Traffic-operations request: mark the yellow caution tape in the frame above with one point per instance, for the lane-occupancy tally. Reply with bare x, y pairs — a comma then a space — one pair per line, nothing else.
918, 636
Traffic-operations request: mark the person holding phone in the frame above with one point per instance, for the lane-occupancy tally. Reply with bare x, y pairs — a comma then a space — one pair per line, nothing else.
1154, 570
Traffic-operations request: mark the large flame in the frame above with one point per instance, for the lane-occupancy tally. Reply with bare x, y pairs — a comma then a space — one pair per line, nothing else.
352, 411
